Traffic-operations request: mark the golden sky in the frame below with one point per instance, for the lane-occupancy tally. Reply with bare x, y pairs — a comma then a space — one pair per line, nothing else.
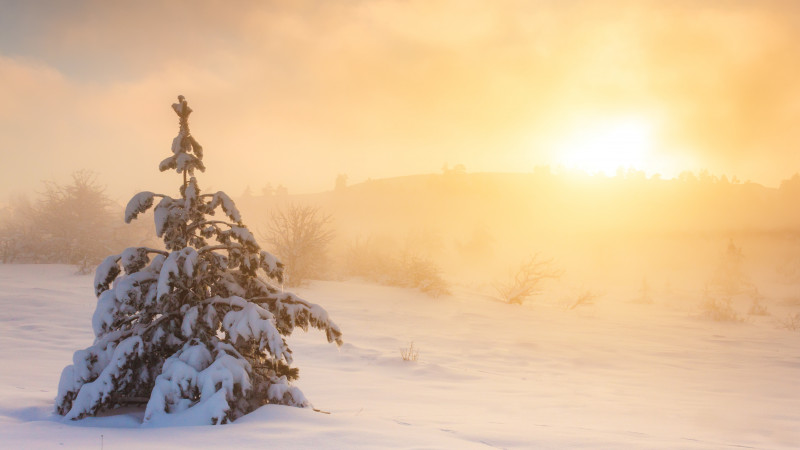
296, 92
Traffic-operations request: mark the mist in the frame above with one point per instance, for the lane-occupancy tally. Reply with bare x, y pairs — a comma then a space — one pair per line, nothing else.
382, 89
576, 220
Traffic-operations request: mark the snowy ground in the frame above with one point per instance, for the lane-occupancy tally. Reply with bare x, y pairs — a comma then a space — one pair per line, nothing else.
612, 375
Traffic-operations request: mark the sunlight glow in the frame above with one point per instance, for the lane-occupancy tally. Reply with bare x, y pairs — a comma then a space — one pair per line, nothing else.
605, 146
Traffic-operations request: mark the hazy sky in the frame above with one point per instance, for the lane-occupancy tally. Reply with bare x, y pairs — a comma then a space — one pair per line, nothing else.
296, 92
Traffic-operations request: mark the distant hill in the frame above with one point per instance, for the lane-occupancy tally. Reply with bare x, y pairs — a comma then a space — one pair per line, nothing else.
543, 202
629, 226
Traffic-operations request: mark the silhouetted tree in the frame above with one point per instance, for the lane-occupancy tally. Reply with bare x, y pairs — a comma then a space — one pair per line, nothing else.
74, 223
19, 241
299, 235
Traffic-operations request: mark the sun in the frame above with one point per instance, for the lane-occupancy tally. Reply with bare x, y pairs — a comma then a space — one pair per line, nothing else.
604, 146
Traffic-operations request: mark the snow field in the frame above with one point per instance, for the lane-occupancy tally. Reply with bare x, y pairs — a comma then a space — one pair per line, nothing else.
611, 375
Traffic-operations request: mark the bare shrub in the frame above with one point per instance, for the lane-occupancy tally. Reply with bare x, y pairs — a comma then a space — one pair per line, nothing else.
72, 215
299, 236
410, 353
374, 260
790, 322
74, 223
19, 240
719, 307
423, 274
720, 310
585, 298
526, 280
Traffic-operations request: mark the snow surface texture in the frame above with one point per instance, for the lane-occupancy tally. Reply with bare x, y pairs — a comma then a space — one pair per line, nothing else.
612, 375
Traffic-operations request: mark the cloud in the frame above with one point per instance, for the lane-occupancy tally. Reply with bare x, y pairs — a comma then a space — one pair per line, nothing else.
388, 87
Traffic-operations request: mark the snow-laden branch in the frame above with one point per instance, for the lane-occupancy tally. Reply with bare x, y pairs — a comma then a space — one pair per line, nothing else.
252, 322
140, 203
196, 225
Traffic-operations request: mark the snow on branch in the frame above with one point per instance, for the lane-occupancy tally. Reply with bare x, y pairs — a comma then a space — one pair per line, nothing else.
252, 322
106, 273
214, 377
115, 375
270, 264
297, 312
165, 212
140, 203
178, 265
222, 199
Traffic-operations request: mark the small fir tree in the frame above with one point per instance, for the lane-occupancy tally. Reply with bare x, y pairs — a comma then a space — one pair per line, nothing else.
194, 330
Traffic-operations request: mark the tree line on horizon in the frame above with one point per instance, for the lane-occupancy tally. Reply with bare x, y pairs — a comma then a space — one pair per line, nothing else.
76, 223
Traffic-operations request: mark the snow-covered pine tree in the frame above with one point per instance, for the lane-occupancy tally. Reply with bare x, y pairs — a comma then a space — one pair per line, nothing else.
192, 331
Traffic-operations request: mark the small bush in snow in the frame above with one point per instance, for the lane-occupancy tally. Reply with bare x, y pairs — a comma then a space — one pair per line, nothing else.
791, 322
421, 273
719, 307
191, 331
372, 261
585, 297
410, 353
526, 280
